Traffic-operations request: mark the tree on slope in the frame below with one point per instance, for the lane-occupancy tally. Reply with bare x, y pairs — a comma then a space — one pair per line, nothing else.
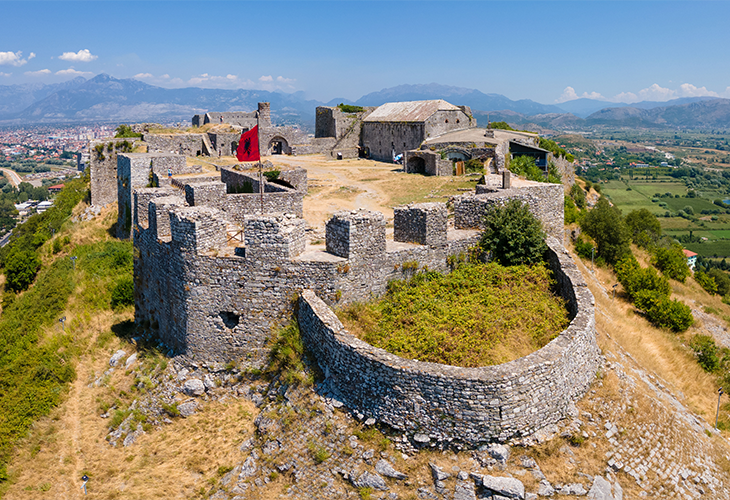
607, 227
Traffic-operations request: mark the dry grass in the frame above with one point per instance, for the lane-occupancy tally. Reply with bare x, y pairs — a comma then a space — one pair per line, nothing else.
658, 351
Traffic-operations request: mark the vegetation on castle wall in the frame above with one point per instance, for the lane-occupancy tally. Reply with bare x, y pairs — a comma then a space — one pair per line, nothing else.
479, 314
512, 235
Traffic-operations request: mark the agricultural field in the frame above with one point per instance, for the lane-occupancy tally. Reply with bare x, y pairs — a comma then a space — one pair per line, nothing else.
667, 198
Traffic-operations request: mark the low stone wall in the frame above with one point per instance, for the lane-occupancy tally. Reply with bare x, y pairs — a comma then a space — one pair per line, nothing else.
183, 144
467, 405
544, 200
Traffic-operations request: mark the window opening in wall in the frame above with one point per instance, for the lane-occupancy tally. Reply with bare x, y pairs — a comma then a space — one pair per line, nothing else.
229, 319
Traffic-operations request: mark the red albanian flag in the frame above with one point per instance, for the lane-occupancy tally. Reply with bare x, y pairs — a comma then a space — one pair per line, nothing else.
248, 146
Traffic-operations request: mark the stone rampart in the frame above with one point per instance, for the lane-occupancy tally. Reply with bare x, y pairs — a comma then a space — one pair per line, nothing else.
453, 404
212, 301
544, 200
103, 168
182, 144
133, 172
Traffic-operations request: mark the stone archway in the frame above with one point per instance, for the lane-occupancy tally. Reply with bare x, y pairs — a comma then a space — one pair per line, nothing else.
278, 146
416, 165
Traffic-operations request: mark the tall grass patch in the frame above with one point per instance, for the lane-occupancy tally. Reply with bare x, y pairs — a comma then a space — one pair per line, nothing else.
479, 314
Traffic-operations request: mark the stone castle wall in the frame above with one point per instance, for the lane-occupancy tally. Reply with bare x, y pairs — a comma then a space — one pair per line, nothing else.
209, 301
468, 405
103, 168
182, 144
133, 172
544, 200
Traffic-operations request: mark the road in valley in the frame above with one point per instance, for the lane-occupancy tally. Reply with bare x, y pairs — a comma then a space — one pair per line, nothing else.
14, 178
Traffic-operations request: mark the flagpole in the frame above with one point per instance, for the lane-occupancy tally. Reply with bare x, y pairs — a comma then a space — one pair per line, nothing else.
261, 186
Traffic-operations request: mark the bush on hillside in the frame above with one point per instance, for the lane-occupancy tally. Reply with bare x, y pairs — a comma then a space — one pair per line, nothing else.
570, 211
634, 279
578, 195
644, 227
512, 235
706, 281
721, 279
21, 268
123, 293
706, 351
663, 312
671, 262
607, 227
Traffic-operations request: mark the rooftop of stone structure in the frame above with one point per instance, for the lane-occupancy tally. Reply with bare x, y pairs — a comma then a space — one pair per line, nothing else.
477, 135
411, 111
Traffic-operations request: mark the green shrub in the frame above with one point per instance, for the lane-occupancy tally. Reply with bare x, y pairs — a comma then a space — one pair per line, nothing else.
644, 227
578, 195
607, 227
349, 108
672, 263
513, 235
707, 353
21, 268
272, 175
474, 165
663, 312
123, 293
583, 248
706, 281
126, 131
634, 279
570, 211
721, 279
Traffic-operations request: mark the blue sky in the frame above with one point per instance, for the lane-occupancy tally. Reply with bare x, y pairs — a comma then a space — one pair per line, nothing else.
545, 51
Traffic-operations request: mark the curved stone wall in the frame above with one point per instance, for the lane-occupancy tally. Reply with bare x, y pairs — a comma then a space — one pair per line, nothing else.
468, 405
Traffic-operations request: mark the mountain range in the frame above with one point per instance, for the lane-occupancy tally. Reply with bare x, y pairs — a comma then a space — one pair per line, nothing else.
107, 99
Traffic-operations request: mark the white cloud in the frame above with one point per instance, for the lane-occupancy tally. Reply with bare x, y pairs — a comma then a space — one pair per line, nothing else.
627, 97
73, 72
281, 79
39, 72
569, 94
656, 93
5, 74
143, 75
726, 92
15, 58
83, 55
265, 78
689, 90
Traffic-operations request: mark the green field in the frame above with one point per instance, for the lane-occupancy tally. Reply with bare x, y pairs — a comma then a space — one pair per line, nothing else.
640, 196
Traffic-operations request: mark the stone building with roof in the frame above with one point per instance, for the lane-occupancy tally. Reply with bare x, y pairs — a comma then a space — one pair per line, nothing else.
396, 127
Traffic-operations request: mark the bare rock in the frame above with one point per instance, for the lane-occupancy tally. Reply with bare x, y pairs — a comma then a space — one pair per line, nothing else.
194, 387
505, 486
438, 473
117, 357
187, 408
575, 489
600, 490
465, 491
130, 360
370, 480
384, 468
545, 489
248, 468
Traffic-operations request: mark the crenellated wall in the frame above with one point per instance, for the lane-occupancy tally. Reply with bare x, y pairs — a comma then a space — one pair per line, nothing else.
223, 299
544, 200
465, 405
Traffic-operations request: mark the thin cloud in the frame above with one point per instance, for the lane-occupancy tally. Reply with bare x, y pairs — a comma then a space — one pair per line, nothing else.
41, 72
15, 58
73, 72
83, 55
281, 79
5, 74
569, 94
143, 75
266, 78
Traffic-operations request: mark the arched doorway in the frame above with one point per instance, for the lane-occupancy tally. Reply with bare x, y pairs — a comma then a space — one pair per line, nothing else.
278, 146
416, 165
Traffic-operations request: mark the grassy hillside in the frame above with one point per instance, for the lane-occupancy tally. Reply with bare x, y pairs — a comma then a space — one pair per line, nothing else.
38, 353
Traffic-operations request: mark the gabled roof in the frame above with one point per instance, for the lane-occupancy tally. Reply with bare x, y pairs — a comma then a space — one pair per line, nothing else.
411, 111
689, 253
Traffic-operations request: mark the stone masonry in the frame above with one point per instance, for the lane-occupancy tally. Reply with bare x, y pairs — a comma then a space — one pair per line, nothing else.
467, 405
